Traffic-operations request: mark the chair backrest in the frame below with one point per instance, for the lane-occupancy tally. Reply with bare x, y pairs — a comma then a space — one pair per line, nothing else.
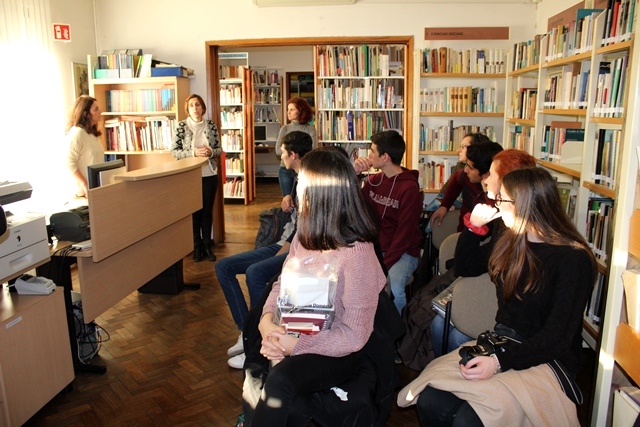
475, 305
449, 226
447, 251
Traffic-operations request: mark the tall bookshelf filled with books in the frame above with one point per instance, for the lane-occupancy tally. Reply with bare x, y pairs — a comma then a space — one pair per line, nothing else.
582, 131
461, 91
139, 113
236, 120
268, 118
360, 90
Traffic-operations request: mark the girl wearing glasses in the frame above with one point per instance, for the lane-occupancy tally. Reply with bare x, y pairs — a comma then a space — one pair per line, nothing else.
544, 272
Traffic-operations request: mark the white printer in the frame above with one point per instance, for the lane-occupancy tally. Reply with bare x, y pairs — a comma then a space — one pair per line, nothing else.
24, 243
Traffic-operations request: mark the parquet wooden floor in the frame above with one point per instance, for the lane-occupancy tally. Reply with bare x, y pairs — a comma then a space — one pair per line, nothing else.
166, 357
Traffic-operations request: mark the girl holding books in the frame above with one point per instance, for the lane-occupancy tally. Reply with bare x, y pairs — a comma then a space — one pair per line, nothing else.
198, 137
300, 115
544, 271
334, 221
84, 146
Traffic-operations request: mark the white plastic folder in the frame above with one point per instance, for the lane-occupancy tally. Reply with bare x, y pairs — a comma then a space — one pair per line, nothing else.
631, 281
625, 407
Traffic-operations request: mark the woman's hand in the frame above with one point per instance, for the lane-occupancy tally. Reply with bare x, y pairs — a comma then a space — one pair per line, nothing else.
483, 214
272, 334
203, 152
277, 346
478, 368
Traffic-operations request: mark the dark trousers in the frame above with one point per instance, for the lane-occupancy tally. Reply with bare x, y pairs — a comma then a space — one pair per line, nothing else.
203, 219
295, 375
443, 408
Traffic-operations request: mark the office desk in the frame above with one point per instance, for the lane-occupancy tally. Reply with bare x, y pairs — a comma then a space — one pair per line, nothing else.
35, 359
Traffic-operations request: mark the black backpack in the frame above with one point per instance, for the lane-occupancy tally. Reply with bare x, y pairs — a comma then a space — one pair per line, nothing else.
272, 223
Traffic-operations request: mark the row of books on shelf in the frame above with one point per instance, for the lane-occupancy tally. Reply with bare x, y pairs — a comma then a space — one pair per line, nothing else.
232, 117
139, 133
447, 137
355, 126
568, 88
607, 150
266, 115
267, 95
595, 304
521, 138
230, 94
609, 98
233, 187
568, 198
360, 94
523, 103
619, 21
599, 213
266, 77
140, 100
361, 60
129, 63
465, 99
562, 143
526, 54
231, 71
573, 38
232, 140
233, 166
433, 175
472, 61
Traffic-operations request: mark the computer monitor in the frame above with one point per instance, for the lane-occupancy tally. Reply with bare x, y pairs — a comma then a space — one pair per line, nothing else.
103, 173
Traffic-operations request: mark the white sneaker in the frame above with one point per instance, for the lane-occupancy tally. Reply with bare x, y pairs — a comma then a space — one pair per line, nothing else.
237, 361
237, 348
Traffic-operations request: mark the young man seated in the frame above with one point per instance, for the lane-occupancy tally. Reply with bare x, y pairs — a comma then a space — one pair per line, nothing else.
395, 196
261, 264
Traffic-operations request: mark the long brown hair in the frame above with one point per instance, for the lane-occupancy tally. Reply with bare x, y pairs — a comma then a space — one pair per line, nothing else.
537, 210
81, 115
332, 211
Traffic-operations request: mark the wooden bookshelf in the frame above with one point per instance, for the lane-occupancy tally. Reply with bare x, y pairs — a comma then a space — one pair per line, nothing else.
144, 104
269, 116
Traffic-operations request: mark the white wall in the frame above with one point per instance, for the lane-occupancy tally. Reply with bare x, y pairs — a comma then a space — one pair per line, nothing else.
176, 33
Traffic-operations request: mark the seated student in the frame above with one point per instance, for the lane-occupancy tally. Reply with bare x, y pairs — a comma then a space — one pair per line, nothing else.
335, 222
459, 183
471, 258
261, 264
544, 271
395, 196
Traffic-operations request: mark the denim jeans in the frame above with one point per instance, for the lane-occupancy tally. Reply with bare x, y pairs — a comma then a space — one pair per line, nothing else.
259, 265
456, 338
399, 275
287, 178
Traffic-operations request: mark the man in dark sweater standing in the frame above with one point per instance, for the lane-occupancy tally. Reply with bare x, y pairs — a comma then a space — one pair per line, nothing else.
395, 196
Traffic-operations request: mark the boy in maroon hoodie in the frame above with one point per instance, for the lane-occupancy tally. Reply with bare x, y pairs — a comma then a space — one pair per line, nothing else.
395, 196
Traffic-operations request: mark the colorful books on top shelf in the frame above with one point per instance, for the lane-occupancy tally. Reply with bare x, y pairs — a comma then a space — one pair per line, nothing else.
619, 21
574, 38
526, 54
360, 94
360, 61
140, 100
469, 61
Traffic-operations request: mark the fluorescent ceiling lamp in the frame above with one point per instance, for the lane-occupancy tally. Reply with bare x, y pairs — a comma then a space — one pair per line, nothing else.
267, 3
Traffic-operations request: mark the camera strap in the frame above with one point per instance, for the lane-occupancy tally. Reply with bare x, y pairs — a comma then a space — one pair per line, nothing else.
567, 381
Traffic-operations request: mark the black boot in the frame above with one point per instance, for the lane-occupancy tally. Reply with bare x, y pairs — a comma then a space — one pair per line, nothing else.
197, 253
208, 252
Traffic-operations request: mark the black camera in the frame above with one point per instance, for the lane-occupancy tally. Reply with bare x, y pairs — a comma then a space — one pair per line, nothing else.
488, 343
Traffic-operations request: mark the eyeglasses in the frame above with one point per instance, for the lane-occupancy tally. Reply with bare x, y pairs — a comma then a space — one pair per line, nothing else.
500, 200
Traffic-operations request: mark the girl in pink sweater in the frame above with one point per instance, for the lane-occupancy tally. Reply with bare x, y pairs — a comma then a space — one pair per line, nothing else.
335, 220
